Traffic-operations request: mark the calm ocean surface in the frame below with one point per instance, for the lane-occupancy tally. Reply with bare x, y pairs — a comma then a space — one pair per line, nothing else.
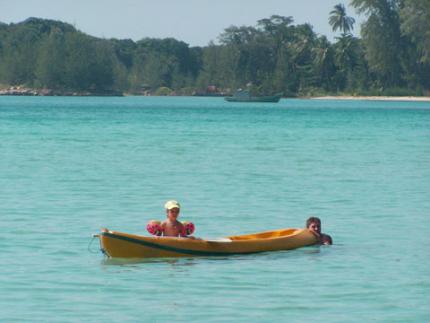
70, 166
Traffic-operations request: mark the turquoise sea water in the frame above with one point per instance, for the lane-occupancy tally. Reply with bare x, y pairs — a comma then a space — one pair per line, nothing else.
69, 166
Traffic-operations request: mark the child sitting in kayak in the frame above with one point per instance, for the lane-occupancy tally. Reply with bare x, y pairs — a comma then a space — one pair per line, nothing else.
171, 227
314, 225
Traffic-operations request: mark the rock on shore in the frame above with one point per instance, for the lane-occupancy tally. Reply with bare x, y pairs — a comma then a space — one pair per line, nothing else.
20, 90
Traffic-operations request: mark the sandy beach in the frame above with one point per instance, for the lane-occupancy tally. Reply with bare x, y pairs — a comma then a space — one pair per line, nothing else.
376, 98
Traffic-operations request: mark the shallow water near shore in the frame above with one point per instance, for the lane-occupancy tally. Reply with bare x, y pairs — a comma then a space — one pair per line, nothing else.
69, 166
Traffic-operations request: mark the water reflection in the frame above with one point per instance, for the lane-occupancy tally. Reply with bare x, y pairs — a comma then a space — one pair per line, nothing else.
191, 261
135, 261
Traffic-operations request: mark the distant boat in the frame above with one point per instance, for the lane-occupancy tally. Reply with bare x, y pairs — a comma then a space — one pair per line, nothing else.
245, 96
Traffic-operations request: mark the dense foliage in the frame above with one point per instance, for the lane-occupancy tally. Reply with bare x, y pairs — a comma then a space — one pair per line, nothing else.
392, 57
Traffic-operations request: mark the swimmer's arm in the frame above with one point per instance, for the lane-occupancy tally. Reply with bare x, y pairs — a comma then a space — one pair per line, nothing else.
316, 234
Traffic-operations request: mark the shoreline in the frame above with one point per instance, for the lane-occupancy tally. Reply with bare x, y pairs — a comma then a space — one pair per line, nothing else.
375, 98
26, 91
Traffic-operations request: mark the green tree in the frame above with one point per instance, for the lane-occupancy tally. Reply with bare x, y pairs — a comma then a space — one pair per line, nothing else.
415, 23
89, 63
324, 63
340, 21
210, 73
346, 60
50, 67
382, 40
19, 54
302, 59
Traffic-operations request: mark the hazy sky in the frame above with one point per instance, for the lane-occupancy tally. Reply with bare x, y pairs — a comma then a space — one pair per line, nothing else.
195, 22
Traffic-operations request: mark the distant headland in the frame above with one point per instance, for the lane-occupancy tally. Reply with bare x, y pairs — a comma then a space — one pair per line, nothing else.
47, 57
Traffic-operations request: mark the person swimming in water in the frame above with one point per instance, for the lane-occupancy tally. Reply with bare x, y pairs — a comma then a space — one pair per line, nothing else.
314, 225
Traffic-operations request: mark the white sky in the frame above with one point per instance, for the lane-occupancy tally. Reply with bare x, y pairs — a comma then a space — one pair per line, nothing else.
195, 22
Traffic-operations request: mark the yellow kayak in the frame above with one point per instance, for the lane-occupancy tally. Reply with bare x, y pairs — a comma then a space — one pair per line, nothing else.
123, 245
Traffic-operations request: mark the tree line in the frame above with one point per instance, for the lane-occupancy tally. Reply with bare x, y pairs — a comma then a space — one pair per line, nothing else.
392, 57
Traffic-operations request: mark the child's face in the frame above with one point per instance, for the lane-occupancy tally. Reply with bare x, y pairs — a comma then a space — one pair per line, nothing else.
173, 214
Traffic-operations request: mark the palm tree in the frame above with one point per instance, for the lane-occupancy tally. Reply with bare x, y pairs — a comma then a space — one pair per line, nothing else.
346, 55
324, 62
339, 20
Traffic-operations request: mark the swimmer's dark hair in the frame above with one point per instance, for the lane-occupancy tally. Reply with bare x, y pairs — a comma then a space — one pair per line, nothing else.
326, 239
313, 219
